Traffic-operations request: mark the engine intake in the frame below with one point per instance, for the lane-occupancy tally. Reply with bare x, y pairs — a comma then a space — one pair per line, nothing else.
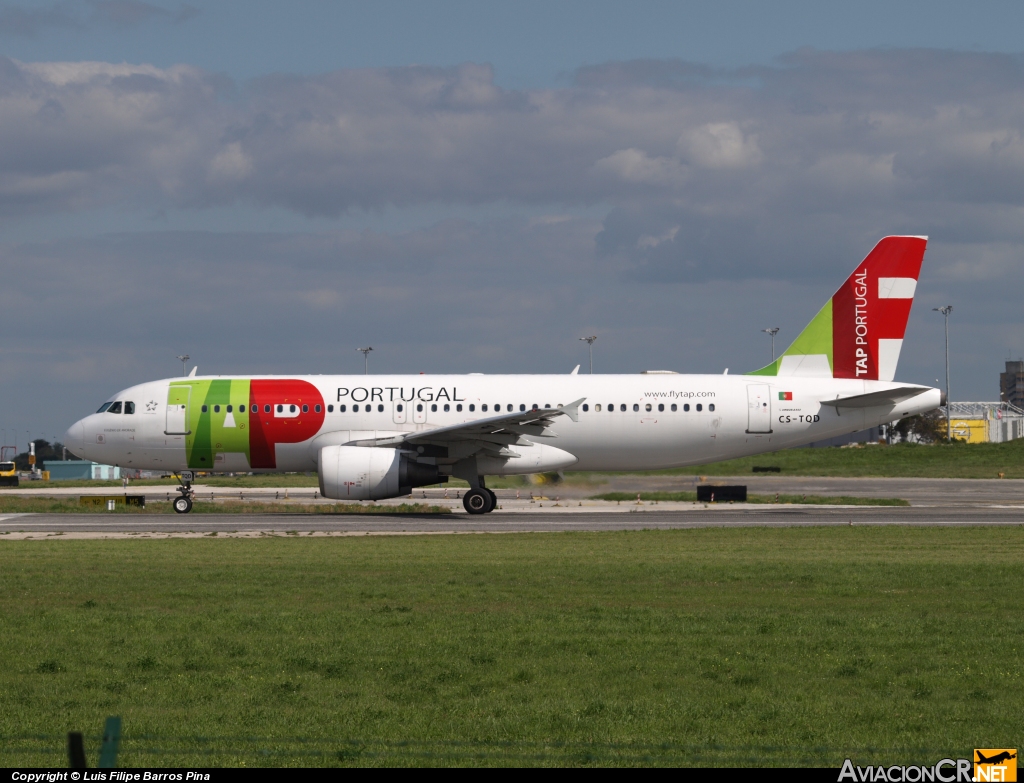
358, 473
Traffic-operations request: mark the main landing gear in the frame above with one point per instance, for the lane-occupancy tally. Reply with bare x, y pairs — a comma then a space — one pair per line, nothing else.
183, 503
479, 500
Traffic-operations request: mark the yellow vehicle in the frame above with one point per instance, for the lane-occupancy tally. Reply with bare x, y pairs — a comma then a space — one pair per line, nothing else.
8, 474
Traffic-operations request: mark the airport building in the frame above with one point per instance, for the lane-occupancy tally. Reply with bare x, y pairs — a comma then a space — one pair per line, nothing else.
1011, 384
63, 470
986, 422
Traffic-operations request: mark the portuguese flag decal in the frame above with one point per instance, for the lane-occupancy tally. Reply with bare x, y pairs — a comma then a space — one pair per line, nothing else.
785, 395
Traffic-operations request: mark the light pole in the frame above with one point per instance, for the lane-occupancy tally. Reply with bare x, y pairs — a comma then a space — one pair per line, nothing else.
366, 358
590, 344
772, 331
183, 358
946, 310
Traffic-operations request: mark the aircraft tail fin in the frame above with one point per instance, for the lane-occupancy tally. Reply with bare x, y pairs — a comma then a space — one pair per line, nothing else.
859, 332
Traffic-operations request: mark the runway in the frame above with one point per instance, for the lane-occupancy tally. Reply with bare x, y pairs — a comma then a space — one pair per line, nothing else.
535, 521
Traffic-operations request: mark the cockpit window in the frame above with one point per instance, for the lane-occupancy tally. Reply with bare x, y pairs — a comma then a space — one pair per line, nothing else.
129, 407
115, 407
104, 406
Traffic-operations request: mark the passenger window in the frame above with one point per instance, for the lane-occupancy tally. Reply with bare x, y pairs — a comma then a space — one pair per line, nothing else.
216, 409
433, 408
636, 407
472, 407
280, 409
447, 407
400, 408
484, 408
647, 407
115, 407
380, 409
205, 409
686, 406
509, 408
661, 406
305, 409
129, 407
597, 408
291, 409
622, 407
330, 409
317, 408
611, 407
458, 408
266, 409
711, 407
341, 409
255, 408
547, 404
355, 409
419, 407
585, 407
673, 407
229, 409
699, 407
522, 406
533, 407
104, 406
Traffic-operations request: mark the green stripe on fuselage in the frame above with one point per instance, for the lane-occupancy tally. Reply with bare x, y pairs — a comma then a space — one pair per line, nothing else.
216, 432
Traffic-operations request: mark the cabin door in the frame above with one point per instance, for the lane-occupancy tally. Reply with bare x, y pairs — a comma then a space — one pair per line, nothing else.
177, 411
759, 408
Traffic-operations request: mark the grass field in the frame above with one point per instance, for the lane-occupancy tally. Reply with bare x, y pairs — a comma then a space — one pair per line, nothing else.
816, 500
905, 460
725, 646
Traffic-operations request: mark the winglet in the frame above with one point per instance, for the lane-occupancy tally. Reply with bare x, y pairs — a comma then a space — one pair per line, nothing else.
193, 373
575, 370
572, 410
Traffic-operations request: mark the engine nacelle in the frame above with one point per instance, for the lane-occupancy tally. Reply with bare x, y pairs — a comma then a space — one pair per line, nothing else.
368, 473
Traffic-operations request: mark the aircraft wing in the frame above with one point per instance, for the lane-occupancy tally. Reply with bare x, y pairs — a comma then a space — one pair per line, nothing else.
495, 431
876, 399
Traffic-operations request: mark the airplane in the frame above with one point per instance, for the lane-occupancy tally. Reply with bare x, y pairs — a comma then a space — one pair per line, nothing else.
996, 759
375, 437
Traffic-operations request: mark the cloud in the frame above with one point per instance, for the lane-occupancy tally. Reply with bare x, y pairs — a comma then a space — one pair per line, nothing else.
671, 208
31, 22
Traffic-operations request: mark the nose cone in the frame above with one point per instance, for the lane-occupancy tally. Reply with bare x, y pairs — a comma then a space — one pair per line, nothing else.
74, 439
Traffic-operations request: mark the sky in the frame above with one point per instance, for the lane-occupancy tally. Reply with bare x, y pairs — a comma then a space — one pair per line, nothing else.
471, 187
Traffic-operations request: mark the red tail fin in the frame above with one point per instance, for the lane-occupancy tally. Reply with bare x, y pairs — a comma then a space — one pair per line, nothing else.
870, 310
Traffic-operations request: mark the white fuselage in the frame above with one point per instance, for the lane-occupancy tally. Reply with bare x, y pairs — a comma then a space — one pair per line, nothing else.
627, 422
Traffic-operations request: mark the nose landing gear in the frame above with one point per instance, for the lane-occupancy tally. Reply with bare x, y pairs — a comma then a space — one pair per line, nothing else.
183, 503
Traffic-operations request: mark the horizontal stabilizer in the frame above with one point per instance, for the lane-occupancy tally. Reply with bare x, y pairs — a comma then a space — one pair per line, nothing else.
876, 399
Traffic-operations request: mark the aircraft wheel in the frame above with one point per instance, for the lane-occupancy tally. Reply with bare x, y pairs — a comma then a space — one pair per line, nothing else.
494, 498
183, 504
477, 501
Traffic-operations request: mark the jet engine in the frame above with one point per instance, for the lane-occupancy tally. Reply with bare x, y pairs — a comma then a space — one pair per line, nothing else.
369, 473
